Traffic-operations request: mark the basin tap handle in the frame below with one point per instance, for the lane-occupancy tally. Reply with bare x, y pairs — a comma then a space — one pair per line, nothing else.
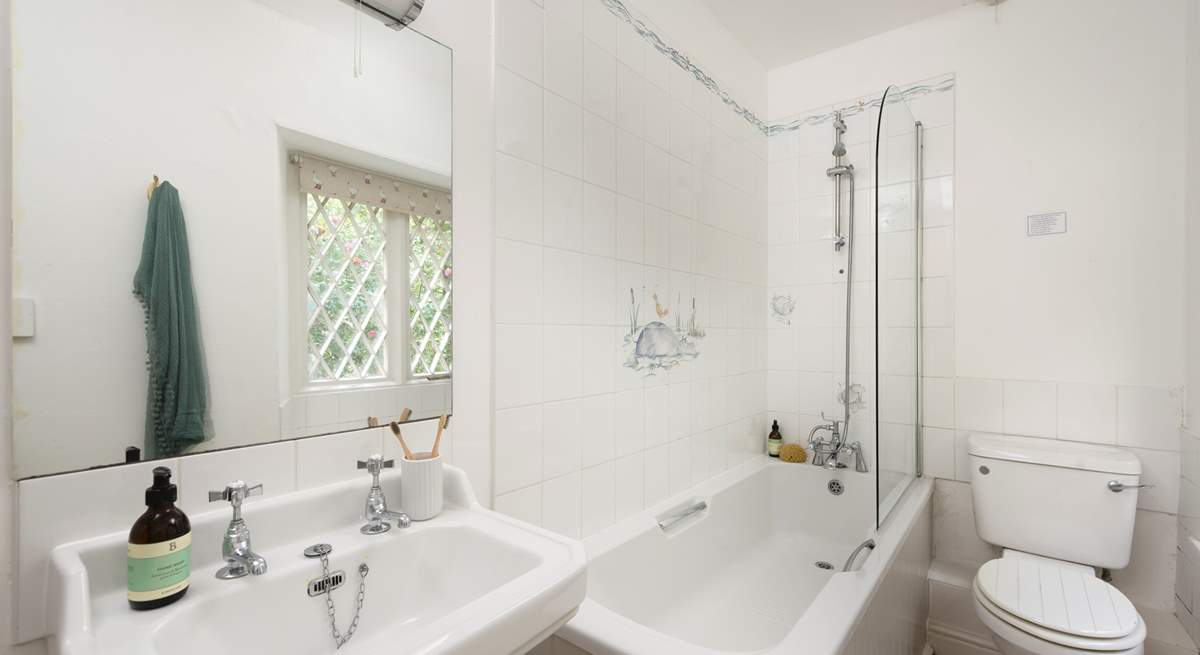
235, 492
375, 464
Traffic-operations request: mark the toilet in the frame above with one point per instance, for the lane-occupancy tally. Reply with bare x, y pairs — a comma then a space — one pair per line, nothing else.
1060, 510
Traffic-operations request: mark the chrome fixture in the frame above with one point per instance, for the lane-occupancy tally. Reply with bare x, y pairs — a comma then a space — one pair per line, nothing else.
376, 513
322, 551
680, 514
1116, 486
396, 14
240, 559
825, 453
869, 544
860, 460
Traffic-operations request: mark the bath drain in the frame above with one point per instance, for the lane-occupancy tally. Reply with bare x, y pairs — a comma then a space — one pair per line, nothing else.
824, 566
835, 487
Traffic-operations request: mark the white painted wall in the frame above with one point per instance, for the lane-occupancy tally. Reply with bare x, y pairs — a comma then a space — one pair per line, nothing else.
1057, 107
204, 112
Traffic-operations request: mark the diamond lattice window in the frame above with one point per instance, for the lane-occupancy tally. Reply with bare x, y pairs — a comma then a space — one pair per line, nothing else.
347, 290
430, 276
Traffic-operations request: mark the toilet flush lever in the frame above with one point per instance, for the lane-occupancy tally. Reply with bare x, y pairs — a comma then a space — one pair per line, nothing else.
1116, 486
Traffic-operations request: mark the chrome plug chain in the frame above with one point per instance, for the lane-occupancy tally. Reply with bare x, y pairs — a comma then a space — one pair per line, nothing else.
322, 551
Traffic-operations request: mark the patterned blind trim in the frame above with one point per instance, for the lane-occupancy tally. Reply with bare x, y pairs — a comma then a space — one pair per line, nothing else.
327, 178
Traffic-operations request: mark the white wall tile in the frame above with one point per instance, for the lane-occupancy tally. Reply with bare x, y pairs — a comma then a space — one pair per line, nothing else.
562, 362
629, 480
565, 14
599, 281
563, 135
518, 282
518, 365
631, 170
524, 504
599, 220
561, 437
657, 469
518, 448
334, 458
271, 465
1030, 408
979, 404
561, 505
519, 37
562, 286
1160, 469
1087, 412
518, 199
563, 211
680, 465
657, 186
597, 429
600, 25
598, 497
937, 251
564, 61
937, 399
1147, 418
630, 423
939, 453
937, 354
630, 230
599, 151
1149, 578
599, 81
518, 115
657, 414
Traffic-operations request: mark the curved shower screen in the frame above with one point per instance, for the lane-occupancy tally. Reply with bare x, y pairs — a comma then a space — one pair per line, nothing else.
897, 289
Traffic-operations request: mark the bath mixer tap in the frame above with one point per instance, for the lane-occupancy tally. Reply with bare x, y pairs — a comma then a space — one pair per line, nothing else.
376, 512
240, 559
825, 452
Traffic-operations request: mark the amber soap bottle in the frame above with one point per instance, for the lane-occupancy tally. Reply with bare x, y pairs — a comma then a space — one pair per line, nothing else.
160, 548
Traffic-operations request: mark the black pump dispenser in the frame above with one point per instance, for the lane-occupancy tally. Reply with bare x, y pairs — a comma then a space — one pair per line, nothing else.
162, 490
160, 548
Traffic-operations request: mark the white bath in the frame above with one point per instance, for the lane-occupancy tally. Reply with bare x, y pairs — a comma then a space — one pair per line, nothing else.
741, 575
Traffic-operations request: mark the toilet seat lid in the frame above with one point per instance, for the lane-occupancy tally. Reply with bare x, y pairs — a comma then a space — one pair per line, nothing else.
1061, 596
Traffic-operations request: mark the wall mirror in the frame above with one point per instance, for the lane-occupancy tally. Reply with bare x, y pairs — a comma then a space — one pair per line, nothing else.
289, 276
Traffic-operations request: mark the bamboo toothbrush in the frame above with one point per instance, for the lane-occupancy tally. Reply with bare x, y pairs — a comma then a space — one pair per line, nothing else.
408, 454
437, 441
405, 414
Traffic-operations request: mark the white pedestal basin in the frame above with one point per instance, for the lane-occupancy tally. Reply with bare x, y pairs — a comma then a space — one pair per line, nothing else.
468, 581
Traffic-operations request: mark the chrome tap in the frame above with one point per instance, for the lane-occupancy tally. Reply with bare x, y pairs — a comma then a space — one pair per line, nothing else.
825, 453
376, 513
240, 559
860, 460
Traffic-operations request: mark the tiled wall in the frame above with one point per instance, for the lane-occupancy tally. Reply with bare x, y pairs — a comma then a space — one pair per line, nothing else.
617, 172
804, 352
1140, 419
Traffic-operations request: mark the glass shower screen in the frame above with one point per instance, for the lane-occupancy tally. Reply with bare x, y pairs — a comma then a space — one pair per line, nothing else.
897, 288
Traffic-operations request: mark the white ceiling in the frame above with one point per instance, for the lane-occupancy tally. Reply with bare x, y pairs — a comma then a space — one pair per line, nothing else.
780, 32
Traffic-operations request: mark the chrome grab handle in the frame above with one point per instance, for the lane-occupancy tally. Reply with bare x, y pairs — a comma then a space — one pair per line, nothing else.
869, 544
1116, 486
682, 514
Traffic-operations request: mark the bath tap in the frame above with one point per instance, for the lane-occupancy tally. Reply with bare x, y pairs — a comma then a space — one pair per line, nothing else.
240, 559
825, 452
376, 512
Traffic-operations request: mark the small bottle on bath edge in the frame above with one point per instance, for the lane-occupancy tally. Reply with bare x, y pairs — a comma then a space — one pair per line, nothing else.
774, 440
160, 548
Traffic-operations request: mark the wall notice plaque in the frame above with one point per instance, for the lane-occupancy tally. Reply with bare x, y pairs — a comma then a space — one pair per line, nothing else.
1038, 225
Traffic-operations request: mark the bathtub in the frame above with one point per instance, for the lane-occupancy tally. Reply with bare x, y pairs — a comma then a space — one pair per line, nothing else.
758, 570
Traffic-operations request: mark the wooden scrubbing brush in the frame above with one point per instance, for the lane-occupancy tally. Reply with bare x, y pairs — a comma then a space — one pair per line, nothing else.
793, 452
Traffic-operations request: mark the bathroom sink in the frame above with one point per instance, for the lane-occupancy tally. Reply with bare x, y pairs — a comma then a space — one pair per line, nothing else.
468, 581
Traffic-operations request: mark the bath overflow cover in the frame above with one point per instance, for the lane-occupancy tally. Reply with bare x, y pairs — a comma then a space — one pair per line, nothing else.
835, 487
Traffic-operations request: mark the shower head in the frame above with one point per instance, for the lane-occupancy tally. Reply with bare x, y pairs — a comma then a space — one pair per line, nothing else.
839, 149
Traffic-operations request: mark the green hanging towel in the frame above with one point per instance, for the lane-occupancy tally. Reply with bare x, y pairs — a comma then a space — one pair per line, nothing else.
177, 395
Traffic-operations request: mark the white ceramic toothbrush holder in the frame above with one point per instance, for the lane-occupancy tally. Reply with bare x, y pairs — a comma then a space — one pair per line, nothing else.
421, 487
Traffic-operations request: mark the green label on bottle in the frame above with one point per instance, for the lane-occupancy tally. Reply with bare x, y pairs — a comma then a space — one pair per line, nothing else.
159, 570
